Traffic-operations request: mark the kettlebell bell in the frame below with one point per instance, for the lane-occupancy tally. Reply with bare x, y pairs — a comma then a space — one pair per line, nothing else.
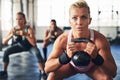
18, 38
52, 39
81, 58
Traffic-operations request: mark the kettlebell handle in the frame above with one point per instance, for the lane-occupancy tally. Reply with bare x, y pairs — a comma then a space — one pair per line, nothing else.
76, 40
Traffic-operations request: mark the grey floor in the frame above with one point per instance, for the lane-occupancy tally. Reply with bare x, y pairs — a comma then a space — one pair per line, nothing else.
27, 69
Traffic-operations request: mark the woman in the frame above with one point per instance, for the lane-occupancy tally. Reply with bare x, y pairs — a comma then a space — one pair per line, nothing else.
23, 40
59, 64
51, 35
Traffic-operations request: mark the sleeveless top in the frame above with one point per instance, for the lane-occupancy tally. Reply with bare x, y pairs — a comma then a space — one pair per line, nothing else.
53, 36
81, 69
24, 42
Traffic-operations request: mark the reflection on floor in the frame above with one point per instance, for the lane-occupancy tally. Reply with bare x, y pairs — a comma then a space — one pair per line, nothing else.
22, 71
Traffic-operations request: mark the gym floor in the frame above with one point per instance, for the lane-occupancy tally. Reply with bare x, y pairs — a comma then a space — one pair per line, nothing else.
115, 52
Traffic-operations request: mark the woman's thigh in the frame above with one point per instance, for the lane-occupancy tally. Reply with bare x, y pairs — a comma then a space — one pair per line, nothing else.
99, 74
13, 49
64, 72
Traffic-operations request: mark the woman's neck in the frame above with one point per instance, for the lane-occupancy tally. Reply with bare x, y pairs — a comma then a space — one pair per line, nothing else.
85, 34
21, 26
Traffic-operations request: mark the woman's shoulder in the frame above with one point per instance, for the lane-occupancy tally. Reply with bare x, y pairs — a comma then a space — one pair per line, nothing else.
100, 39
61, 41
59, 28
99, 35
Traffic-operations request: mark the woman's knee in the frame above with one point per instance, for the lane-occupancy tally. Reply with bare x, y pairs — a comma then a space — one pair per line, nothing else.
63, 72
98, 74
6, 56
7, 52
45, 44
103, 77
54, 76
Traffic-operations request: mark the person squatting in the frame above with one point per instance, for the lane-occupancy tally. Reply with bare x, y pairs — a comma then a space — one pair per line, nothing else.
23, 39
81, 50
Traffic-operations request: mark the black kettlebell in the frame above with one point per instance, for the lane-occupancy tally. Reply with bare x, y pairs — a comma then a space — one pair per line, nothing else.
81, 58
18, 38
52, 39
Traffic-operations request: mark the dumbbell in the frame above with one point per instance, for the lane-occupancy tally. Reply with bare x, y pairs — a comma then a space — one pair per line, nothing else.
81, 58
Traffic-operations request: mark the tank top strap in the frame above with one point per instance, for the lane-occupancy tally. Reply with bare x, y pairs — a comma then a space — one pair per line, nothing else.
91, 34
69, 36
26, 28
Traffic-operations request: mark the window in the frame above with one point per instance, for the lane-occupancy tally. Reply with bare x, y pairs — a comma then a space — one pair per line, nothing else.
53, 9
58, 9
6, 14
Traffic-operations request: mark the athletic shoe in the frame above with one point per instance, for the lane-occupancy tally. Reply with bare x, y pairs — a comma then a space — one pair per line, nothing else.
3, 74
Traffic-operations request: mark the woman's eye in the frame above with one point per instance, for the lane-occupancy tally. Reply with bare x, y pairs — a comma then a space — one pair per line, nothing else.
84, 17
74, 18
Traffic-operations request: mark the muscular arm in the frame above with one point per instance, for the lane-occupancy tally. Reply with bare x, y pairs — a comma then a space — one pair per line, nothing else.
52, 63
109, 65
31, 36
47, 35
8, 37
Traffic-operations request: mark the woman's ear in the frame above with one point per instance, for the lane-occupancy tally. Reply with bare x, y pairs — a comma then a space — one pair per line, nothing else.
89, 20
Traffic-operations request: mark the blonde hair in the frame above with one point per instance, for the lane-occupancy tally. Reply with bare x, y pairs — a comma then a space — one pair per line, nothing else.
79, 4
21, 13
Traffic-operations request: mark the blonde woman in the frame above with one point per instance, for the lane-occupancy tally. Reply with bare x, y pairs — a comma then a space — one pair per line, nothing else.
59, 64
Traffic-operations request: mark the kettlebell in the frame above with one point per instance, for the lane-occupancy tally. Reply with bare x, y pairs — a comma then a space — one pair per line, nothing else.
18, 38
52, 39
81, 58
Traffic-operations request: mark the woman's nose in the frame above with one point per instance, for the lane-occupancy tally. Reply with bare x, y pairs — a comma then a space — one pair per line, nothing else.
79, 21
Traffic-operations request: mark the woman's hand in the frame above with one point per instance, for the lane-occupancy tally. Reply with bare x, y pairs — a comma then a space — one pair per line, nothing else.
71, 49
91, 49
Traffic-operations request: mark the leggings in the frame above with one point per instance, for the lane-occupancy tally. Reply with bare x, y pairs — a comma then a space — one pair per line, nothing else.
19, 48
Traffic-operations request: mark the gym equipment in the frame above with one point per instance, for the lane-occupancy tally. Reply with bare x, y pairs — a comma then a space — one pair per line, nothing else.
52, 39
81, 58
64, 59
17, 37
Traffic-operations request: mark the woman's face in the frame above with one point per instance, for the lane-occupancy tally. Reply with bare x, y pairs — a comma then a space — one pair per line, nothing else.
79, 19
52, 26
20, 20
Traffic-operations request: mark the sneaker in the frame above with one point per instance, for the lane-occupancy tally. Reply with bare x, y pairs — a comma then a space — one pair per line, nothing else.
3, 74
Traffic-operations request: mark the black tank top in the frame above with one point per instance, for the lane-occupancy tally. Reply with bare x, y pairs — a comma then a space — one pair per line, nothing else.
24, 42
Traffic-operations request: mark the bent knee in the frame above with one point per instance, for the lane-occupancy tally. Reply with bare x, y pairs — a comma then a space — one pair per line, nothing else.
53, 76
103, 77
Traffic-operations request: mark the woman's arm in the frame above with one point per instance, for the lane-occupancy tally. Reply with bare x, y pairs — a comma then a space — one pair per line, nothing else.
52, 64
31, 36
47, 35
8, 37
109, 65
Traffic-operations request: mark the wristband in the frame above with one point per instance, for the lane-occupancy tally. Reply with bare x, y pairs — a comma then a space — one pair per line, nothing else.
64, 59
98, 60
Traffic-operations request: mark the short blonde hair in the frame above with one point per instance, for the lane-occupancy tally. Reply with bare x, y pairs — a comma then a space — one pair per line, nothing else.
79, 4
